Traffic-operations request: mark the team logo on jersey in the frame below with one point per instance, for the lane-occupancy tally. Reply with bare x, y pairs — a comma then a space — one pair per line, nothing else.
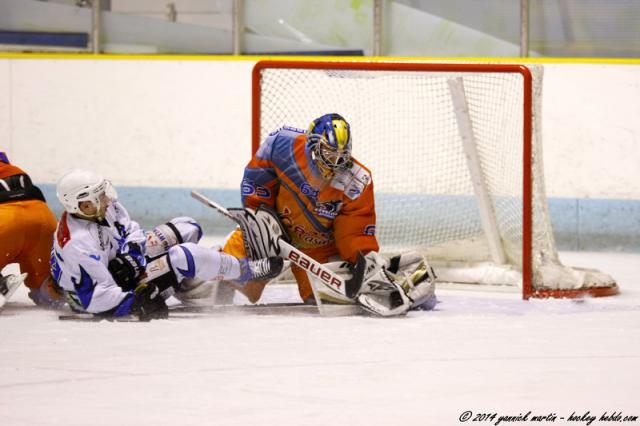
308, 190
250, 188
309, 238
301, 235
328, 209
370, 230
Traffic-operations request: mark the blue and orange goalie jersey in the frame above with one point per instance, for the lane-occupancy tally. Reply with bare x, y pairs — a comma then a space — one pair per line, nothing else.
323, 217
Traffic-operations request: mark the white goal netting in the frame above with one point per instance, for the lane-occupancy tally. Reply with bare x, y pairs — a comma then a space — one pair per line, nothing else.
447, 153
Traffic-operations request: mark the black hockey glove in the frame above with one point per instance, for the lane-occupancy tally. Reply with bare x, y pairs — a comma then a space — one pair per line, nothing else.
149, 303
125, 270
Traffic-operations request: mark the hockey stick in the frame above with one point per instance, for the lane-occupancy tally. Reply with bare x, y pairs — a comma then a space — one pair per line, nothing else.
314, 269
191, 312
276, 308
85, 317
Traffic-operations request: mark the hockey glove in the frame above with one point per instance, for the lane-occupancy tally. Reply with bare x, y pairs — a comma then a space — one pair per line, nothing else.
125, 270
148, 303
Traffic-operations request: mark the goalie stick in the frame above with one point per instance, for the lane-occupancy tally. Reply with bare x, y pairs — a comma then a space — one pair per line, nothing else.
314, 269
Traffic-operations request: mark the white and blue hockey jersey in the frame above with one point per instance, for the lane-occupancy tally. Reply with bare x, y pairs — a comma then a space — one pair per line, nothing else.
81, 253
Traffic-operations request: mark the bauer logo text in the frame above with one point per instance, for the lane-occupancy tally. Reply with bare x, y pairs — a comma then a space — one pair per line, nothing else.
314, 269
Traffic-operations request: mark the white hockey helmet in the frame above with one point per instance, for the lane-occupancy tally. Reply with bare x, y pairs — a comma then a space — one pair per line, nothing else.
83, 185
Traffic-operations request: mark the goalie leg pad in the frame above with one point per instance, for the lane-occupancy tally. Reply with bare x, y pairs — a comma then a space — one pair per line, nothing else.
380, 294
384, 298
393, 287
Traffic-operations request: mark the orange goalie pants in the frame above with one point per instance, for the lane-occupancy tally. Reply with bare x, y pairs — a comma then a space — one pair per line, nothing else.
26, 237
253, 289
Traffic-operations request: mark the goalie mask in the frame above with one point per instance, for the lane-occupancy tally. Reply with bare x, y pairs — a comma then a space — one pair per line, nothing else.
329, 140
81, 185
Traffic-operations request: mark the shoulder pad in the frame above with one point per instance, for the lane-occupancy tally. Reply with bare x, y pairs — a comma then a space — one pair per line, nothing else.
287, 129
266, 147
353, 181
265, 150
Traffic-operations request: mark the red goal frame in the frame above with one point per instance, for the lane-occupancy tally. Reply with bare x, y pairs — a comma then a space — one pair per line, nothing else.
527, 220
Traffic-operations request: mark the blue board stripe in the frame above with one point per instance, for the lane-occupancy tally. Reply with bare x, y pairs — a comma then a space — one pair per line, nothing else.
578, 223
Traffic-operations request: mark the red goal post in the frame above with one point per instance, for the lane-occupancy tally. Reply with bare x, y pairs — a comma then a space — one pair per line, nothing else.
265, 104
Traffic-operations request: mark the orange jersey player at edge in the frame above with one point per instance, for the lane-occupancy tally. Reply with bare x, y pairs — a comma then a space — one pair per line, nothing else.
26, 236
323, 196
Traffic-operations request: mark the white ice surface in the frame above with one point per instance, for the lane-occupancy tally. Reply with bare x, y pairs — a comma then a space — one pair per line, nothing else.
479, 351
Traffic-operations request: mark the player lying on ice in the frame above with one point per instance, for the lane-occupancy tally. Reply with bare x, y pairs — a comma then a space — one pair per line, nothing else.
108, 265
324, 199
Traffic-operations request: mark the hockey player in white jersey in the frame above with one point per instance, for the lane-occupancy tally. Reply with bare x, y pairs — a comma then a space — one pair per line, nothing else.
108, 265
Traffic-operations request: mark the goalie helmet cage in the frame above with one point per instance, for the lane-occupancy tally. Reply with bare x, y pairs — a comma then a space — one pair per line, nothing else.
456, 157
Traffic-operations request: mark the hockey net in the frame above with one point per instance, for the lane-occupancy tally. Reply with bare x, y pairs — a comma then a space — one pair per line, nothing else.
456, 157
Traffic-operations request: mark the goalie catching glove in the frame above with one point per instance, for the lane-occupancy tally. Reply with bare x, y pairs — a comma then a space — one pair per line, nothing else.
416, 278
